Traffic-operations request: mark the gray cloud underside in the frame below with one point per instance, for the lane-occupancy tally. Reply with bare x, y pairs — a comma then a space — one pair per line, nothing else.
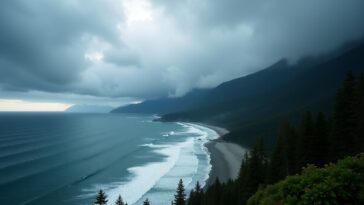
45, 46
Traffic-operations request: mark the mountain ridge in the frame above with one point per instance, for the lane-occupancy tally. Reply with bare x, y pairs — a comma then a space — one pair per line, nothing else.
252, 106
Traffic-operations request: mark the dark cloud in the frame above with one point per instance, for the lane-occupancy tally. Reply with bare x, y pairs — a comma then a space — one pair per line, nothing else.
149, 48
42, 43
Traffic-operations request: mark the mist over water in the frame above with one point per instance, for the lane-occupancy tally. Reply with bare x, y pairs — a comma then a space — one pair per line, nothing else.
57, 158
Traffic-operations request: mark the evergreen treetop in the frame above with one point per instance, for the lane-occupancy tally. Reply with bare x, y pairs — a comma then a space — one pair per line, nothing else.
180, 196
119, 201
146, 202
101, 198
198, 188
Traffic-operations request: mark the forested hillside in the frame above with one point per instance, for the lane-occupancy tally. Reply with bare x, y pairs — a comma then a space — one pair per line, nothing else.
317, 140
253, 106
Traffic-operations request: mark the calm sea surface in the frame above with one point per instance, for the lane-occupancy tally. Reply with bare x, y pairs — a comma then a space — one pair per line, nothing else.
58, 158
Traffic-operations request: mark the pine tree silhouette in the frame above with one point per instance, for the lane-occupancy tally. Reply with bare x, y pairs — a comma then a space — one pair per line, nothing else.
101, 198
146, 202
344, 140
119, 201
180, 196
196, 195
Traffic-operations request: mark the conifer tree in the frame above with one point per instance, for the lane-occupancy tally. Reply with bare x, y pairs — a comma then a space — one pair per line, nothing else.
213, 194
360, 130
198, 188
278, 163
253, 172
345, 141
192, 198
146, 202
291, 147
285, 152
258, 163
195, 195
119, 201
320, 144
305, 141
101, 198
180, 196
243, 167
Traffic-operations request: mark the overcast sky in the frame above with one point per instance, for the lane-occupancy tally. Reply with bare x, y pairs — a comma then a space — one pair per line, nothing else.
121, 51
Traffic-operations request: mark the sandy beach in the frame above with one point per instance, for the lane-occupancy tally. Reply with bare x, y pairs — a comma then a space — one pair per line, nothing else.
226, 157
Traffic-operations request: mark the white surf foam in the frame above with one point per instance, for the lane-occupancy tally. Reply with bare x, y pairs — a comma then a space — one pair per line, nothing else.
205, 135
146, 176
181, 161
192, 165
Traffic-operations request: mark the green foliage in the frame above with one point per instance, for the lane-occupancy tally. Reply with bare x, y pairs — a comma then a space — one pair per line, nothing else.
341, 183
272, 194
101, 198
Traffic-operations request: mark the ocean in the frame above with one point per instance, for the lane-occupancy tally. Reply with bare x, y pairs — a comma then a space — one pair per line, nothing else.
60, 158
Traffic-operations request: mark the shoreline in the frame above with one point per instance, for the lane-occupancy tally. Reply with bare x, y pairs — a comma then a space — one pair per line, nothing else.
226, 157
219, 130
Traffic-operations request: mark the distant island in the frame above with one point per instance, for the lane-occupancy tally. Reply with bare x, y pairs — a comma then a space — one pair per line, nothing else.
89, 109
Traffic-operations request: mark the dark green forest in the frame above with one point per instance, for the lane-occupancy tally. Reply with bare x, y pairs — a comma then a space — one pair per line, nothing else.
315, 141
299, 169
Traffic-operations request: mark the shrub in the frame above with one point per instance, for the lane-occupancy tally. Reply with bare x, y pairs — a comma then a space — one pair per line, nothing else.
341, 183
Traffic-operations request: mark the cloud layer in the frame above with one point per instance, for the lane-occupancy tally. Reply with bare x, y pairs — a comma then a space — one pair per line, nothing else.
114, 50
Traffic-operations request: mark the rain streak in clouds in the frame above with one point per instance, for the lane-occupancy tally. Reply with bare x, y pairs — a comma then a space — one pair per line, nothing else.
120, 51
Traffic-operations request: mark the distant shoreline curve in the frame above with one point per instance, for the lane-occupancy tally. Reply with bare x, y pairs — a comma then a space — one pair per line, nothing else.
226, 157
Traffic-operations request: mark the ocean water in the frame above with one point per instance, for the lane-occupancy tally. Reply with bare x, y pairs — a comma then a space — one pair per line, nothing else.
58, 158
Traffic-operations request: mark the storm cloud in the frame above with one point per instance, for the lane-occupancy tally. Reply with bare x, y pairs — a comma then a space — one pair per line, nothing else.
126, 50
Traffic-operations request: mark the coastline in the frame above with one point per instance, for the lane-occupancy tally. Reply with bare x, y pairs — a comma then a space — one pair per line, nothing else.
219, 130
226, 157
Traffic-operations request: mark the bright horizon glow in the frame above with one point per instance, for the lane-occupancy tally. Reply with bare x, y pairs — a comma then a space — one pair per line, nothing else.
12, 105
